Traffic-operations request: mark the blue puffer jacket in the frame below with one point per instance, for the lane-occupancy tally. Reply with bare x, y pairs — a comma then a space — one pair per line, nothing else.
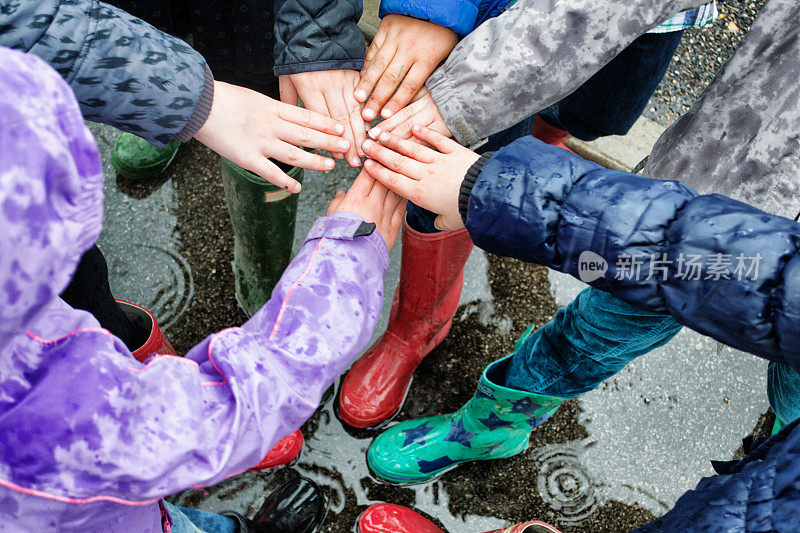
757, 494
461, 16
541, 204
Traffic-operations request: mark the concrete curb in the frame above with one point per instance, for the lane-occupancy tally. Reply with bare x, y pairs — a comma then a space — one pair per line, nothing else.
621, 152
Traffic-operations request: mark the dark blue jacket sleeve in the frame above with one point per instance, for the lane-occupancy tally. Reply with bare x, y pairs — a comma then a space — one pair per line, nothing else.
461, 16
721, 267
123, 71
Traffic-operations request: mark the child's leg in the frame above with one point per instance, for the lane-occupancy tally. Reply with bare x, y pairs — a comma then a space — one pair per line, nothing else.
613, 99
89, 290
185, 520
783, 391
588, 341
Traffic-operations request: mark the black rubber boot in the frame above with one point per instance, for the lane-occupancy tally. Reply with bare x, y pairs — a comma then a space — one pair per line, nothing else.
297, 506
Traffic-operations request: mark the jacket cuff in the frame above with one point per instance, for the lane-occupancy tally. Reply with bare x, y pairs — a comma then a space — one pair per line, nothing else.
201, 110
446, 100
346, 226
469, 181
316, 66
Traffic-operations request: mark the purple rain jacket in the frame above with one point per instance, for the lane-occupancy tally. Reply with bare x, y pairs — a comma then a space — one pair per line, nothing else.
91, 439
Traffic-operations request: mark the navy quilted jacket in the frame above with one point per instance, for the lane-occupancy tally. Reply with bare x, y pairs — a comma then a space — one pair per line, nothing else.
123, 71
541, 204
318, 35
721, 267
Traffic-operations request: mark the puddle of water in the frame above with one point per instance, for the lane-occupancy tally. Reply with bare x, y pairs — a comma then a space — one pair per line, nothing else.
141, 243
655, 426
643, 448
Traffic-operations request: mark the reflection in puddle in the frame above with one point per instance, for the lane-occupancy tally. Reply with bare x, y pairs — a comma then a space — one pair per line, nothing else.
563, 483
170, 286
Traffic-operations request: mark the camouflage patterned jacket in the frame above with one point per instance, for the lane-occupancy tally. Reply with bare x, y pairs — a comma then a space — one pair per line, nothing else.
740, 138
123, 71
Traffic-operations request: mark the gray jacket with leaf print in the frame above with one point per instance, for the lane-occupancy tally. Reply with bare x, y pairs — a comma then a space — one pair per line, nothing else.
741, 138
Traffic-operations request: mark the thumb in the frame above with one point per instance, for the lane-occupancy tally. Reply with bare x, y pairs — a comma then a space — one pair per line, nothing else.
336, 202
439, 224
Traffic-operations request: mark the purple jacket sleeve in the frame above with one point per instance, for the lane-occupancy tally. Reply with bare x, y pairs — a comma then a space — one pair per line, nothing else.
96, 422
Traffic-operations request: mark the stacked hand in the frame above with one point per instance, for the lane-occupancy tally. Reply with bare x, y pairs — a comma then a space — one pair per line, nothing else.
249, 128
404, 52
431, 178
422, 113
330, 93
373, 202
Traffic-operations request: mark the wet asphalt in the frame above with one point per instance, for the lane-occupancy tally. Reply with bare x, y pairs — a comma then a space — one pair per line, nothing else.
609, 461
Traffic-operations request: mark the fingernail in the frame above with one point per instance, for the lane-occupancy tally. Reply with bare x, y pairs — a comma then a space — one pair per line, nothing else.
361, 95
366, 145
374, 132
339, 128
369, 114
344, 145
355, 162
329, 163
368, 163
386, 113
385, 137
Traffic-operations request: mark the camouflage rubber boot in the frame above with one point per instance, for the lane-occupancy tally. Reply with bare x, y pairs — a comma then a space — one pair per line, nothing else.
496, 423
136, 159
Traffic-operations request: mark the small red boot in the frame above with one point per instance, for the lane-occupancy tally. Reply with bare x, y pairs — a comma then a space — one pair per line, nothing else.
549, 134
390, 518
156, 342
431, 275
283, 453
532, 526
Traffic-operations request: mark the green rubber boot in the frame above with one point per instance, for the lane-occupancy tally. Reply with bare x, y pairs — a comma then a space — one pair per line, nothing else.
496, 423
137, 159
263, 217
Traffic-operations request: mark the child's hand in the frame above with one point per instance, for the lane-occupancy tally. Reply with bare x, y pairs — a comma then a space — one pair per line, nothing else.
248, 128
373, 202
330, 93
404, 52
428, 178
421, 112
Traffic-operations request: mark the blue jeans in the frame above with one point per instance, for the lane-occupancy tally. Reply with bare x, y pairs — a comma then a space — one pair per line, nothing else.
596, 335
185, 520
783, 391
588, 341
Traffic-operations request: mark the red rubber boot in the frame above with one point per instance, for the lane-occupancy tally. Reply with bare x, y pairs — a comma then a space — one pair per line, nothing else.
283, 453
549, 134
156, 343
532, 526
390, 518
431, 275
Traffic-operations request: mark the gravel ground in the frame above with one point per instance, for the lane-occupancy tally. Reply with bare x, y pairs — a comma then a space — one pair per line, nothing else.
700, 54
